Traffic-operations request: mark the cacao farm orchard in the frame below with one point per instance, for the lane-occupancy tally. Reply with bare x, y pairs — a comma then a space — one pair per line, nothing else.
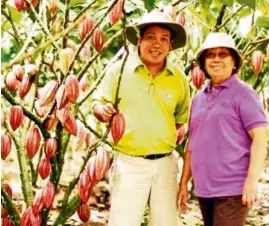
54, 55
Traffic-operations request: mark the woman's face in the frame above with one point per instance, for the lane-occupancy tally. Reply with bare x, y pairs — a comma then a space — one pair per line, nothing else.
219, 63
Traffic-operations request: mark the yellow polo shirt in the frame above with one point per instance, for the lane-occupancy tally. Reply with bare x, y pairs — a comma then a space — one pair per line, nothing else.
152, 106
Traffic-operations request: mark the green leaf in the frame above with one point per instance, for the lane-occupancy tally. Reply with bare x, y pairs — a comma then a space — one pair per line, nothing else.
206, 4
245, 12
263, 22
75, 2
227, 2
249, 3
15, 14
149, 4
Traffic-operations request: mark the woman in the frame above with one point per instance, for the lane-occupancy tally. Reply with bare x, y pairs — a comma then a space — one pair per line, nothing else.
227, 146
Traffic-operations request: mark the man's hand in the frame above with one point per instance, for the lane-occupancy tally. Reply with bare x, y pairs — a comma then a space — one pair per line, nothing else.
250, 193
104, 112
182, 198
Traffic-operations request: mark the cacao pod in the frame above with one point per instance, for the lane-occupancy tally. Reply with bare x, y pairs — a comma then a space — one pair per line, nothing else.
83, 212
7, 187
52, 121
85, 27
18, 71
170, 11
32, 143
257, 61
181, 19
116, 12
81, 135
90, 167
56, 25
44, 168
102, 163
3, 212
6, 143
117, 127
197, 76
52, 6
11, 82
35, 219
180, 134
40, 111
25, 220
48, 93
63, 114
70, 124
98, 40
72, 88
83, 187
85, 52
19, 4
48, 194
30, 69
83, 83
37, 205
16, 117
25, 86
89, 139
6, 221
66, 56
61, 98
50, 147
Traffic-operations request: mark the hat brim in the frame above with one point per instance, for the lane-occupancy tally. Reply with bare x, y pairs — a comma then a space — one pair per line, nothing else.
179, 40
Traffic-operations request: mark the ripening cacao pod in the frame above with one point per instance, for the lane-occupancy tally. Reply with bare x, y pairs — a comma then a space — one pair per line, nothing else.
85, 27
6, 221
70, 124
18, 71
44, 168
16, 117
48, 194
37, 205
180, 19
83, 83
102, 163
84, 212
40, 111
32, 143
89, 139
52, 6
30, 69
34, 2
3, 212
52, 121
7, 187
117, 126
116, 12
72, 88
170, 11
50, 147
81, 135
257, 61
90, 167
25, 86
25, 220
66, 56
197, 76
6, 143
11, 81
19, 4
180, 134
35, 219
83, 187
98, 40
48, 93
85, 52
61, 97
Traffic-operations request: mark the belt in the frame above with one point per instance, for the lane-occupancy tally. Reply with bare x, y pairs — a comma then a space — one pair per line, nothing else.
153, 157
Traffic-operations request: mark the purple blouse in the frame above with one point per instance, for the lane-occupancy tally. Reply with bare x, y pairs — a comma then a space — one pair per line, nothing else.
219, 141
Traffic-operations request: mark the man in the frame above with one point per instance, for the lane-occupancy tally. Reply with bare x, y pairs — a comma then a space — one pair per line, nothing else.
154, 101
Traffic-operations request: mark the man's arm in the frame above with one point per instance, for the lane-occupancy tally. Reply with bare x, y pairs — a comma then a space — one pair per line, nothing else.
258, 152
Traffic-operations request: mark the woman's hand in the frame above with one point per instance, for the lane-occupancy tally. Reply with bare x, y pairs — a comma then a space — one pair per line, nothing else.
182, 198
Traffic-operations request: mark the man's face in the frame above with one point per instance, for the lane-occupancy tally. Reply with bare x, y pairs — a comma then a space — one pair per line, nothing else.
154, 45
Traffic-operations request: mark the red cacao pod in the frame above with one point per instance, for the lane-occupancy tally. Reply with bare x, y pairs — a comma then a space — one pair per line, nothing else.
48, 93
70, 124
19, 4
35, 219
40, 111
83, 187
11, 82
170, 11
89, 139
98, 40
197, 76
32, 143
116, 12
83, 83
25, 220
31, 69
180, 134
81, 135
37, 205
61, 98
72, 88
6, 143
6, 221
44, 168
16, 117
117, 126
257, 61
52, 6
90, 167
63, 114
48, 194
85, 27
102, 163
50, 147
25, 86
3, 212
7, 187
18, 71
52, 121
181, 19
84, 212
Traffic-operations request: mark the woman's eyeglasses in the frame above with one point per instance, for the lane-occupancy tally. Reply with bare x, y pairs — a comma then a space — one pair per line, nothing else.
221, 55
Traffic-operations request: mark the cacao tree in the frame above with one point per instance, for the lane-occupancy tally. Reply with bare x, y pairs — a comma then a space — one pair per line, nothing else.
55, 54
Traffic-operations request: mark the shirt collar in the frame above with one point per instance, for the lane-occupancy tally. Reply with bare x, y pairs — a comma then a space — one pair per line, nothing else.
227, 84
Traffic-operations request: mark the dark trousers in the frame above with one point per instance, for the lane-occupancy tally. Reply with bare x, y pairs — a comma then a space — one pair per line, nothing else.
223, 211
